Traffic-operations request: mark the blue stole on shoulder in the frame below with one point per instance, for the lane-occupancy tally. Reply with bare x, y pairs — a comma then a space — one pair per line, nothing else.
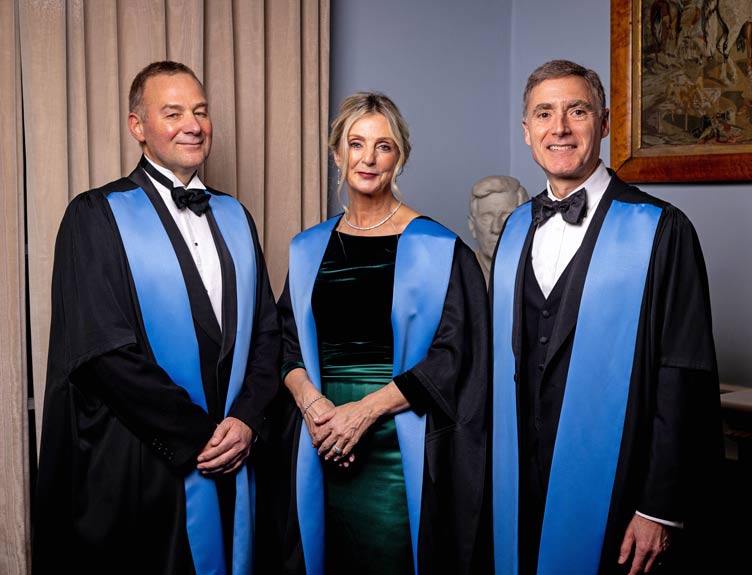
425, 252
168, 321
504, 466
591, 423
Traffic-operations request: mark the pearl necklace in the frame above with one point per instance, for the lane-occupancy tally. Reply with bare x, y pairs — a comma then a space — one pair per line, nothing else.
374, 226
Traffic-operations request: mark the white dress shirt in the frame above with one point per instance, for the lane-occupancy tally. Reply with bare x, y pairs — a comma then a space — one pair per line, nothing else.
555, 241
197, 235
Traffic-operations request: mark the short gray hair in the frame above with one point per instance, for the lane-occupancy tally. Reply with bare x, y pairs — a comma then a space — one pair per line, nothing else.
555, 69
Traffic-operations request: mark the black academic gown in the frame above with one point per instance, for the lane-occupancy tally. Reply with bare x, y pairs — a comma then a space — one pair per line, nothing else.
118, 436
451, 385
671, 444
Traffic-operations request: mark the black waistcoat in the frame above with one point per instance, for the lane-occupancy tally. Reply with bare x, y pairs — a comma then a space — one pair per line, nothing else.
541, 395
540, 392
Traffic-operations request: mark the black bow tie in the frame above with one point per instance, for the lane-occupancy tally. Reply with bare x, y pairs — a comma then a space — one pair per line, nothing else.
195, 200
572, 208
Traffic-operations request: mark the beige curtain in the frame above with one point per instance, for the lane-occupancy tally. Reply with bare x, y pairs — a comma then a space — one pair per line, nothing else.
14, 498
265, 68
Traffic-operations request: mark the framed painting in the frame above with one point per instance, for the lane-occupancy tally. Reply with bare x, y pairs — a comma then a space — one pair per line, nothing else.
681, 90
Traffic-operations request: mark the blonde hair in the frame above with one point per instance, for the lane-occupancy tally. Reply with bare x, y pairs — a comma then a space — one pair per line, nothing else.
351, 110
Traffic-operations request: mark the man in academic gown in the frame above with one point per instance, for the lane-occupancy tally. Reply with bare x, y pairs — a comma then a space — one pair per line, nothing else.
163, 360
606, 434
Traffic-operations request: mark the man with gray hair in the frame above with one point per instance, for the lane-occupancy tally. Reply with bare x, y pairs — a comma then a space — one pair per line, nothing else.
492, 199
606, 405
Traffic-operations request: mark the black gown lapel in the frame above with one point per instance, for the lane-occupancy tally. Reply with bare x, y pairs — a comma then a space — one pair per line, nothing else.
570, 302
201, 307
519, 298
229, 290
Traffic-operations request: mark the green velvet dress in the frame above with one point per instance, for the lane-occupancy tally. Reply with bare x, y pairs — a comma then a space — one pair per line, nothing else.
367, 528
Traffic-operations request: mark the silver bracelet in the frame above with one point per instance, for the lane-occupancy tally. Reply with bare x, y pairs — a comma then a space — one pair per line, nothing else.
310, 403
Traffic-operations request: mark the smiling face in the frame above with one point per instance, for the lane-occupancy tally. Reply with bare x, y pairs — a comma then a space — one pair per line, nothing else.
564, 127
172, 123
371, 158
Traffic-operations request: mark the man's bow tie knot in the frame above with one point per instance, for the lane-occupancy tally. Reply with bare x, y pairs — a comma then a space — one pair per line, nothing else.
572, 208
195, 200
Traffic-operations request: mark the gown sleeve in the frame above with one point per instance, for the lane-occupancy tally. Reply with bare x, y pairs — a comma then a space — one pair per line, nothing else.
292, 356
685, 440
451, 379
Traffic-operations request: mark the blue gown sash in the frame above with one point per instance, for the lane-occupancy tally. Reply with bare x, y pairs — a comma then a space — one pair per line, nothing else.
168, 321
423, 265
422, 269
306, 252
504, 467
233, 225
591, 423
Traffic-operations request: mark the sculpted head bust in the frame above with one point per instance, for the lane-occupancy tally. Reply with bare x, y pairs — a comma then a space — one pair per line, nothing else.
492, 199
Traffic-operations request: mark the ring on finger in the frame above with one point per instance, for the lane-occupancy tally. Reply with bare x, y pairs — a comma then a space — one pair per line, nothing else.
337, 450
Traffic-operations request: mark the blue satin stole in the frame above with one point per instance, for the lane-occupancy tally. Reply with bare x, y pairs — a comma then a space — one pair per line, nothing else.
166, 311
591, 424
425, 252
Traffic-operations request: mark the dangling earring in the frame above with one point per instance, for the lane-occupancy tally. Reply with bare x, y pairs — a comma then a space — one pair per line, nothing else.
339, 176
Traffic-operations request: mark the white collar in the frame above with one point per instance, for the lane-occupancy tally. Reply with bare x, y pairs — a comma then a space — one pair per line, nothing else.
195, 182
595, 186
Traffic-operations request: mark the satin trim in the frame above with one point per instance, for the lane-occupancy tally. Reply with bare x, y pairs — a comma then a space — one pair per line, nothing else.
584, 461
425, 252
166, 311
423, 265
233, 225
306, 252
505, 464
591, 424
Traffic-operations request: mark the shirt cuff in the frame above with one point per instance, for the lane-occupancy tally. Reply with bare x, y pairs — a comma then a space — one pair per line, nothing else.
677, 524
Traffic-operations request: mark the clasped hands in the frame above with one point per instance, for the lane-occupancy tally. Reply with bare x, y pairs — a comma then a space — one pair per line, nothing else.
228, 447
336, 429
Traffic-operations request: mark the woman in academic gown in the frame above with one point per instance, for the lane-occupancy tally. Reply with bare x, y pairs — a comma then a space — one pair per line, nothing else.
386, 362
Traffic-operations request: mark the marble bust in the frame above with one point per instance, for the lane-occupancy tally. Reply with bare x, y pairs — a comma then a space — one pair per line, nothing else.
492, 199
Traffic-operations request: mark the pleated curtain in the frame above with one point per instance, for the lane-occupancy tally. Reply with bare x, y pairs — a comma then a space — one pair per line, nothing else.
65, 72
14, 448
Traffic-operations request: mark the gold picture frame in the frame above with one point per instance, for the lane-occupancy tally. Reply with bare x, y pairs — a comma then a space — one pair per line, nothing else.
673, 118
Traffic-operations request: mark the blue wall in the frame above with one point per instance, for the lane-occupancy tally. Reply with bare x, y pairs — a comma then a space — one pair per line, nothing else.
457, 70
